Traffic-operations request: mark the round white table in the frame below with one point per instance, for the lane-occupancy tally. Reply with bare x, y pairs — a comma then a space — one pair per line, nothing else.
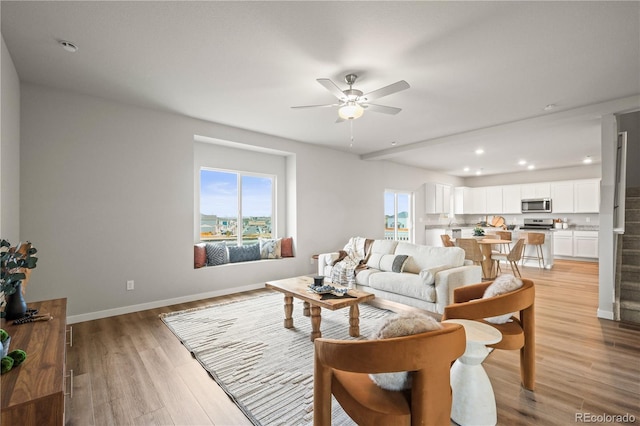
473, 400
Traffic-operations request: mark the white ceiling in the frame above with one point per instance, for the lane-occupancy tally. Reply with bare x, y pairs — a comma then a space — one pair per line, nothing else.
472, 67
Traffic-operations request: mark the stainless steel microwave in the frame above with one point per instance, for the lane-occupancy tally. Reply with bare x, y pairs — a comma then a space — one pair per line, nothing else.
536, 205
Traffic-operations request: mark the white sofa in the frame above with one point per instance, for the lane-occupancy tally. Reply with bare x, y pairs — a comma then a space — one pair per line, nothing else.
425, 276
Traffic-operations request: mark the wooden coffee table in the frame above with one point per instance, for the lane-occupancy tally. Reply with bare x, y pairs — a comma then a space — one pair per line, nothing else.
298, 287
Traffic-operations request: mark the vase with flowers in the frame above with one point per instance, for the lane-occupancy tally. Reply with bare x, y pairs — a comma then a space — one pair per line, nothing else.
15, 264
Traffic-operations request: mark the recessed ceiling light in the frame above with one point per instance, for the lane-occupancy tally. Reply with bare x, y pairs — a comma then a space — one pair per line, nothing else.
466, 169
550, 107
478, 172
531, 167
587, 160
479, 151
522, 162
68, 46
393, 143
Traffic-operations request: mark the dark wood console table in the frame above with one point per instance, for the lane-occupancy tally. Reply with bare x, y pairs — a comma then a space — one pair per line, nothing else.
33, 393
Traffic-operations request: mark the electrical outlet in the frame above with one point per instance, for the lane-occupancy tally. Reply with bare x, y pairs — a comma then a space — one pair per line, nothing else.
130, 285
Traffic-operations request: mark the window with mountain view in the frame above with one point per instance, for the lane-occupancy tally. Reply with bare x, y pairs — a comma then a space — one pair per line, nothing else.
236, 207
398, 217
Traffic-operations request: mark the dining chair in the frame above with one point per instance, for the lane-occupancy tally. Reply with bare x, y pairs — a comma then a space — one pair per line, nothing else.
446, 241
342, 368
505, 236
519, 333
472, 252
513, 257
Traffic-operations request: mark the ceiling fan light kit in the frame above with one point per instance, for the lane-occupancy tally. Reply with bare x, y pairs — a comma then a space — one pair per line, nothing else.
353, 102
350, 111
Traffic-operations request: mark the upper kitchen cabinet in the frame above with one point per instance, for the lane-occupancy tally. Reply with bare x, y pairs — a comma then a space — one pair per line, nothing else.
587, 196
577, 196
494, 198
437, 198
535, 190
479, 200
461, 199
511, 199
470, 200
562, 197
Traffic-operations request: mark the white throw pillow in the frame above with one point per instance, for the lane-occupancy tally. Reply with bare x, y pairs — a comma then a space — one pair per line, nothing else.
428, 275
397, 326
501, 285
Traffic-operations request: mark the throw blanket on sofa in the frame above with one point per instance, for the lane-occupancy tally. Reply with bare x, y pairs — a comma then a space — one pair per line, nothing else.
352, 259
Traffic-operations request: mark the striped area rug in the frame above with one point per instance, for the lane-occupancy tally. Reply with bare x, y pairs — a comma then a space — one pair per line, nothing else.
266, 369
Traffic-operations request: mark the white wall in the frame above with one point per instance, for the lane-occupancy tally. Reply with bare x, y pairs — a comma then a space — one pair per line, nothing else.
606, 240
9, 149
110, 197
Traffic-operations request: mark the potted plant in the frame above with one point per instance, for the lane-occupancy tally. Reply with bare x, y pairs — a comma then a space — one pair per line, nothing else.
478, 232
15, 263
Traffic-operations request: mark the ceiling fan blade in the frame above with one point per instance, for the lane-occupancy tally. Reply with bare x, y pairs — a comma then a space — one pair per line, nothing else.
316, 106
332, 87
340, 119
385, 91
382, 108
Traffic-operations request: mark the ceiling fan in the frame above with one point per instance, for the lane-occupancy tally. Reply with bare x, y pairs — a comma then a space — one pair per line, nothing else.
354, 102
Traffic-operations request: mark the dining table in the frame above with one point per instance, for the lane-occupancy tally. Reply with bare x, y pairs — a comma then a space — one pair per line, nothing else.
487, 263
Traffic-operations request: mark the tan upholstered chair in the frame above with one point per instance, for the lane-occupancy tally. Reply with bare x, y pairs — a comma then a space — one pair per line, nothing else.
518, 334
472, 252
535, 239
342, 368
446, 241
513, 257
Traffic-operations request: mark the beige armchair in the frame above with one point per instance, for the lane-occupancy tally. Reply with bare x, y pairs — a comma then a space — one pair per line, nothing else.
517, 334
342, 368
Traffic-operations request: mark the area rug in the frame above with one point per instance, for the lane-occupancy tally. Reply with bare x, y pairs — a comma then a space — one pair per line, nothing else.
266, 369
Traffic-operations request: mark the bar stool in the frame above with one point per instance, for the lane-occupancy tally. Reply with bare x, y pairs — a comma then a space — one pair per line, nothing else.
535, 239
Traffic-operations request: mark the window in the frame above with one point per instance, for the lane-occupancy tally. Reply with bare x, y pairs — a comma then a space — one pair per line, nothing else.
398, 216
236, 207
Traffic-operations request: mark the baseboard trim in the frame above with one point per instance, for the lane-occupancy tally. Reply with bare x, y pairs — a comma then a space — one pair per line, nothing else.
74, 319
605, 314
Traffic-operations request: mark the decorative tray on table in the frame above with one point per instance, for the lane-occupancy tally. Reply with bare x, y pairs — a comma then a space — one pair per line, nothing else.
325, 289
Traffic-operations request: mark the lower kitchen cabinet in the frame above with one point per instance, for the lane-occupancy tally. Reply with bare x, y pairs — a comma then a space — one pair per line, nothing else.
585, 244
575, 244
563, 243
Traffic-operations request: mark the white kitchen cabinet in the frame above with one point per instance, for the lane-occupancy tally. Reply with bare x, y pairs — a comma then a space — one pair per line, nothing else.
494, 200
535, 190
458, 200
479, 200
437, 198
511, 199
563, 243
585, 244
562, 197
463, 200
587, 196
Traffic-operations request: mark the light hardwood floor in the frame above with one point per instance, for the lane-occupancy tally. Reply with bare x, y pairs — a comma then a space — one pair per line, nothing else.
131, 369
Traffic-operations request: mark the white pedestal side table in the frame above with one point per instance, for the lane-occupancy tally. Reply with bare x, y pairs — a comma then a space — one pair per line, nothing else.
473, 400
